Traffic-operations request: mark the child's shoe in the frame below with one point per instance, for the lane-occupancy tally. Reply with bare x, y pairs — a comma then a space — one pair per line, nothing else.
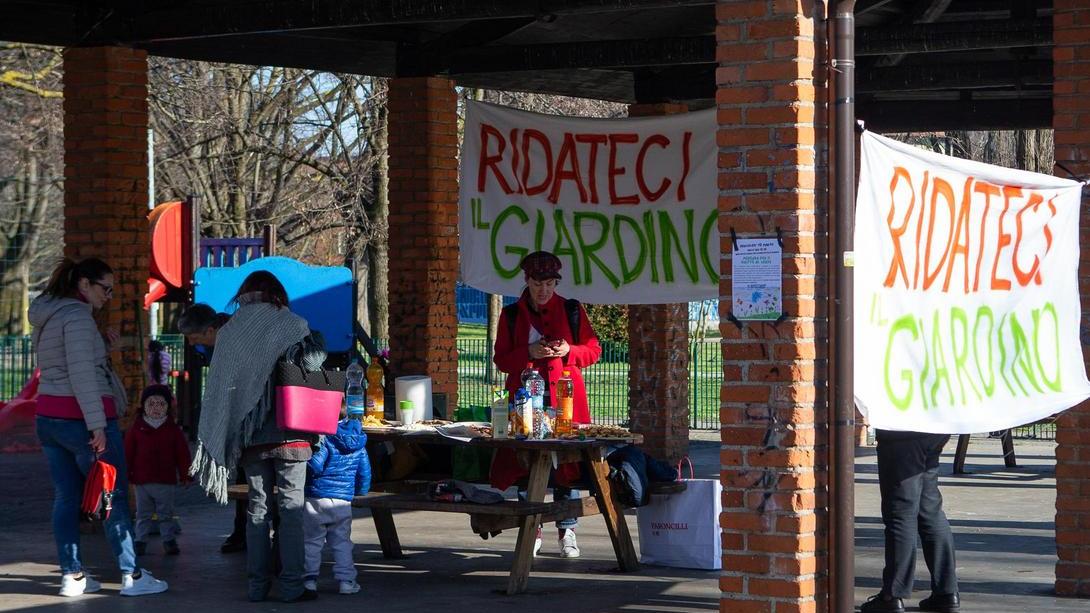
310, 584
78, 584
140, 547
141, 585
171, 547
349, 587
569, 547
537, 542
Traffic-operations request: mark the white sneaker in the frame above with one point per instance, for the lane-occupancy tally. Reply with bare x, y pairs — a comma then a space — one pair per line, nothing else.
537, 542
569, 548
311, 584
349, 587
70, 586
146, 584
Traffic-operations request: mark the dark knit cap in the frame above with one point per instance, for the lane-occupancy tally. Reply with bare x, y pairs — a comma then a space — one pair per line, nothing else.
541, 265
157, 390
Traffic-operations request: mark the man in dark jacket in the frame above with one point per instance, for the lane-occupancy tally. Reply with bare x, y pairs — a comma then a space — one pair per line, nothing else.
337, 472
908, 478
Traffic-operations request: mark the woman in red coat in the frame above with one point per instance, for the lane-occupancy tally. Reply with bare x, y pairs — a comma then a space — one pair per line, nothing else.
542, 334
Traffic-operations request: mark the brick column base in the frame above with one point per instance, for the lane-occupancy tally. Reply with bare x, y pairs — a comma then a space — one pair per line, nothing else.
106, 185
423, 127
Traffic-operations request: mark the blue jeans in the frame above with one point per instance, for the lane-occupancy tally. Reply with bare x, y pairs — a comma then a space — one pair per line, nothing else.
65, 443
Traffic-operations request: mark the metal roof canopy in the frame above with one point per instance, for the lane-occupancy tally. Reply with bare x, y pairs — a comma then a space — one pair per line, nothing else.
923, 64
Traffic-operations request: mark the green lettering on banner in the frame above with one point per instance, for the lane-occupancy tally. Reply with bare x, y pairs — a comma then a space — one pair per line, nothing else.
562, 234
588, 250
649, 227
989, 387
519, 251
958, 316
1003, 355
926, 365
539, 230
670, 238
1053, 384
908, 324
1021, 357
705, 234
629, 274
941, 374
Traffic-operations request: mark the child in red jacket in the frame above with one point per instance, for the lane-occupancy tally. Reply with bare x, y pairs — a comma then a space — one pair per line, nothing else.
157, 455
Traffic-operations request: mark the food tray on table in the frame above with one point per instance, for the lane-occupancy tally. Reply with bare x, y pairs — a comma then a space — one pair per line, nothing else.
427, 426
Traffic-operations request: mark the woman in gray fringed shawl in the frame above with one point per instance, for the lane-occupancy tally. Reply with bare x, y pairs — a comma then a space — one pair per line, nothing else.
238, 430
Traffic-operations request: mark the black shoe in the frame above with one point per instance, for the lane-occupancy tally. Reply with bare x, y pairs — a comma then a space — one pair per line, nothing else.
941, 603
880, 603
139, 547
171, 547
233, 544
305, 596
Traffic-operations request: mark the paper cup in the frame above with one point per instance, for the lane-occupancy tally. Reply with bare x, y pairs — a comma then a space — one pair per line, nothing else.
406, 412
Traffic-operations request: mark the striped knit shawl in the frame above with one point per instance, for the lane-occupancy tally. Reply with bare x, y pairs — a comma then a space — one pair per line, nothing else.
247, 348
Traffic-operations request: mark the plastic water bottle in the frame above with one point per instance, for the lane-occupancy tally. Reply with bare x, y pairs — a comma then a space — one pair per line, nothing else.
526, 373
353, 394
535, 384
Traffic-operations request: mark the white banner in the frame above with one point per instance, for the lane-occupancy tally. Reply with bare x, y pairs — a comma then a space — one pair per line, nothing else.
628, 205
966, 293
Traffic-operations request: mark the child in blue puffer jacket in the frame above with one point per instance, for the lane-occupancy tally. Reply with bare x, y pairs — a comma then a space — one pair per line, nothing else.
336, 472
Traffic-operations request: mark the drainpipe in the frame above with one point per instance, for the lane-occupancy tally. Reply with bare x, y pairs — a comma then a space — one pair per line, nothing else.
840, 263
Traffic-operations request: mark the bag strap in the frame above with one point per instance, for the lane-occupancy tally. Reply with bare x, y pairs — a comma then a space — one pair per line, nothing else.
512, 312
571, 306
691, 474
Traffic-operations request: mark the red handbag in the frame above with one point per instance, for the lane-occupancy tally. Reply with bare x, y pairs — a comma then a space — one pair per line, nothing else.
98, 490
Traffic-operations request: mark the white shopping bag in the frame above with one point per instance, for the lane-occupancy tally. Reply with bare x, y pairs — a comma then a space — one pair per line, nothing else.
682, 530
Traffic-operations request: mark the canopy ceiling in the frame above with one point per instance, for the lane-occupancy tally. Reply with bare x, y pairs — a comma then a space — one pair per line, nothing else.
922, 64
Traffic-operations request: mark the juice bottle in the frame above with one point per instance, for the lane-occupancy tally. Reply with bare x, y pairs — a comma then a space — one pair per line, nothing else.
376, 397
500, 416
565, 401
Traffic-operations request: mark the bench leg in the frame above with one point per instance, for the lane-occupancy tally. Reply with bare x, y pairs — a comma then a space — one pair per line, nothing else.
540, 464
959, 455
612, 513
387, 533
1008, 449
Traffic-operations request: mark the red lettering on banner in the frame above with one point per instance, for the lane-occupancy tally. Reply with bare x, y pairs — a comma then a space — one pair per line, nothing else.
546, 150
567, 156
491, 161
515, 159
651, 196
594, 140
615, 140
685, 142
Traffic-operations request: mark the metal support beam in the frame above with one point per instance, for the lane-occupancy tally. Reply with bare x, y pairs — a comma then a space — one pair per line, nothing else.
174, 22
606, 54
924, 77
954, 36
931, 116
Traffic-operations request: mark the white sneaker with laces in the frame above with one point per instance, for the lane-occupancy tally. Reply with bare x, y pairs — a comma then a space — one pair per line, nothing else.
70, 586
537, 542
349, 587
311, 584
142, 586
569, 547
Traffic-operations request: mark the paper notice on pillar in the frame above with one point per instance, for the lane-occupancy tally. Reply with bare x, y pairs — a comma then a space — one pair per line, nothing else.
628, 205
966, 293
756, 279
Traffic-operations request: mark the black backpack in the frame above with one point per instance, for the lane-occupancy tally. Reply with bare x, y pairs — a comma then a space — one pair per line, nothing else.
571, 307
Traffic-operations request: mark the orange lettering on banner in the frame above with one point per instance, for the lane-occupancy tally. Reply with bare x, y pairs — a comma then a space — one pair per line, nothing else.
1033, 274
988, 190
961, 229
1004, 240
919, 232
897, 263
940, 187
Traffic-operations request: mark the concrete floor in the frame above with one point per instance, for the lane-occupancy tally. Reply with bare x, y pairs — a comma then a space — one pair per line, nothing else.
1002, 518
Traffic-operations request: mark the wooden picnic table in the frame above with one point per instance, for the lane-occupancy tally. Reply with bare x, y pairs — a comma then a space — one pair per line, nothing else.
525, 515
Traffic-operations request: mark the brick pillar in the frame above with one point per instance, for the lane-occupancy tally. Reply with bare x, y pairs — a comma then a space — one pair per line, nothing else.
658, 358
106, 184
1071, 121
423, 152
773, 558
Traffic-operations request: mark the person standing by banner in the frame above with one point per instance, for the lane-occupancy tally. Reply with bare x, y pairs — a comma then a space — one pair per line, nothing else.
538, 329
908, 478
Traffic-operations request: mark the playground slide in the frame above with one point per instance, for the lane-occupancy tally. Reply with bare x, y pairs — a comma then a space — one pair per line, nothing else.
17, 419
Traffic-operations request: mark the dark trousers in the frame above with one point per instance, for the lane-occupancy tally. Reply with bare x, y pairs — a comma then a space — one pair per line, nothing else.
908, 477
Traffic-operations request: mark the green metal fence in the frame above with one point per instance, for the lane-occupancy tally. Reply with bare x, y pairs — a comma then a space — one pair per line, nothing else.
16, 364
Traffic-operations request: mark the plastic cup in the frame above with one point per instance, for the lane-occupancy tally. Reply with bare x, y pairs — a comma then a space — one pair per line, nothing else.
407, 412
